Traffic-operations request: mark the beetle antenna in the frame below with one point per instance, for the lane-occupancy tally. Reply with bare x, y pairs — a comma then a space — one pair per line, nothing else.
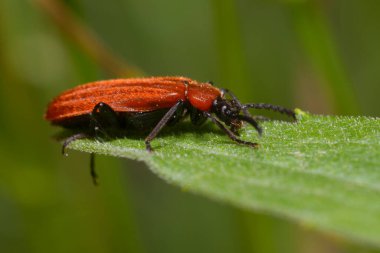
274, 108
251, 121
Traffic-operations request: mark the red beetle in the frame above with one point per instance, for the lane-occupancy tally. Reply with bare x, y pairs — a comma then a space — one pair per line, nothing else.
143, 103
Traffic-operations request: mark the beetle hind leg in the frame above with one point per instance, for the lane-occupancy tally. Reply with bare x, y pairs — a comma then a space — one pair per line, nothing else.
101, 117
72, 138
94, 176
80, 136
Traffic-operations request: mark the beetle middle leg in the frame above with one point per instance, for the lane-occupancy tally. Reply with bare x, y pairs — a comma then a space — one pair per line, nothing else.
197, 117
168, 115
103, 117
100, 113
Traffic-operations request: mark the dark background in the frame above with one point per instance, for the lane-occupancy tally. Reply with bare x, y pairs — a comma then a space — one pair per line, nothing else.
321, 56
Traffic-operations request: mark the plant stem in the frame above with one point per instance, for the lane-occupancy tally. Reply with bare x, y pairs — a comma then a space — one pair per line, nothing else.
86, 39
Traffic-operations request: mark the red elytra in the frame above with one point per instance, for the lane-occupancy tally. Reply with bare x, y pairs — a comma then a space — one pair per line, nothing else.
142, 103
131, 95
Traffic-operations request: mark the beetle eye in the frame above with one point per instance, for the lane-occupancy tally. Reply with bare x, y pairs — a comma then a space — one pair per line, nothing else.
224, 108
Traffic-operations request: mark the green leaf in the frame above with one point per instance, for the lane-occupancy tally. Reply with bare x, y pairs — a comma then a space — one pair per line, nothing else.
323, 171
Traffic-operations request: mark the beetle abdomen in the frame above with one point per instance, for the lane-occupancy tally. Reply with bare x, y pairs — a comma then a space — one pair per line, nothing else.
122, 95
127, 120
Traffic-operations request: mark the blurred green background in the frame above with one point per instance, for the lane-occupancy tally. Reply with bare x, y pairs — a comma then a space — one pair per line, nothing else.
321, 56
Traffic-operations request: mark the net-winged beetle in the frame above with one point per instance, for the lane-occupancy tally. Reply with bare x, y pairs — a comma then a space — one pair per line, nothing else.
150, 103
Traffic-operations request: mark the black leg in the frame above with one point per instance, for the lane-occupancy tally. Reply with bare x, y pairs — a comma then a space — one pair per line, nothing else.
72, 138
101, 117
94, 176
196, 116
251, 121
275, 108
229, 132
168, 115
79, 136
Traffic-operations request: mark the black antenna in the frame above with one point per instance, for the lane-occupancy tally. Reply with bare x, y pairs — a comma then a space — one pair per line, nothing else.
274, 108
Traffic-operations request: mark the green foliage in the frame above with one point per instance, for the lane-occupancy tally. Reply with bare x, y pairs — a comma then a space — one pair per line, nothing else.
322, 171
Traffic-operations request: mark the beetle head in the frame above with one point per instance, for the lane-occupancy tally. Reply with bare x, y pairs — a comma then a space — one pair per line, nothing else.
229, 111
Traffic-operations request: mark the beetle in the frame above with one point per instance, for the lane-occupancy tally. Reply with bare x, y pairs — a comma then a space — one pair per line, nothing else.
150, 103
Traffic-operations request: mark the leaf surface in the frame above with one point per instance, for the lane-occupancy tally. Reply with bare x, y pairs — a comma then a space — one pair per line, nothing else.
323, 171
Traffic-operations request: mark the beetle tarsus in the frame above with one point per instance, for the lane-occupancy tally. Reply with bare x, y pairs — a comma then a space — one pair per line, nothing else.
148, 147
94, 176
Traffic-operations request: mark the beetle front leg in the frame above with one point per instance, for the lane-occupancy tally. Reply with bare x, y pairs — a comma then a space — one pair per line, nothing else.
229, 132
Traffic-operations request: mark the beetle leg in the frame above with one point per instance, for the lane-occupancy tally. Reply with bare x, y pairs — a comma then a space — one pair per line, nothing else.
79, 136
168, 115
251, 121
99, 113
229, 132
72, 138
235, 127
197, 117
94, 176
101, 117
